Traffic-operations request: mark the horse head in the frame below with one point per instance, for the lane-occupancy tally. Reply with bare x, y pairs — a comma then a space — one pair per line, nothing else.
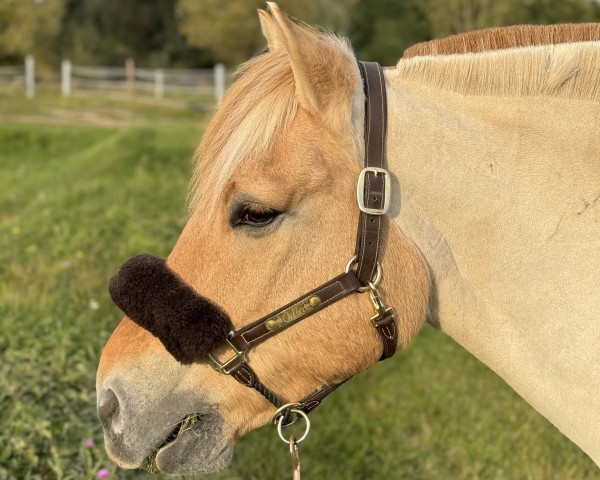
273, 214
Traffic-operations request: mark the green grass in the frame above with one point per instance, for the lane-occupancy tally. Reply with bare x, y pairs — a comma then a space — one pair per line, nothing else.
76, 201
90, 107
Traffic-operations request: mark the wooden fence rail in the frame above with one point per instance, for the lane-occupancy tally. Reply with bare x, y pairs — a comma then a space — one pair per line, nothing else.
128, 79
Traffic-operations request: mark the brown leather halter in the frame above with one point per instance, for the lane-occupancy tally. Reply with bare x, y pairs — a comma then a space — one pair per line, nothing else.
373, 194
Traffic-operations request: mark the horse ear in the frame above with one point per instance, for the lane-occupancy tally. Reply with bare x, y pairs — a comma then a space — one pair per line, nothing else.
325, 71
269, 31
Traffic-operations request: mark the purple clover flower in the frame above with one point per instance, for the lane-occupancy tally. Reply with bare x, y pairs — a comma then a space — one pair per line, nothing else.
102, 473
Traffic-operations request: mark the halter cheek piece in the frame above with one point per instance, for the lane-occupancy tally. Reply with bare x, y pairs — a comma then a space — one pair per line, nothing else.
373, 194
155, 298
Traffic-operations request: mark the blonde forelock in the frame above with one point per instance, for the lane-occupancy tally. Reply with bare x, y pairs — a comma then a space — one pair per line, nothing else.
255, 110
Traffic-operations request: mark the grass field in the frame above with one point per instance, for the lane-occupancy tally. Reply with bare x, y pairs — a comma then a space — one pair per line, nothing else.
77, 200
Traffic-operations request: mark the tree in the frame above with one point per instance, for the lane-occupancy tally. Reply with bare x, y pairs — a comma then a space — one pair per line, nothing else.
565, 11
447, 17
30, 27
380, 30
108, 31
231, 32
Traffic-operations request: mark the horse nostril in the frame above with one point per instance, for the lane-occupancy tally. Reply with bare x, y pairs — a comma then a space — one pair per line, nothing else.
108, 407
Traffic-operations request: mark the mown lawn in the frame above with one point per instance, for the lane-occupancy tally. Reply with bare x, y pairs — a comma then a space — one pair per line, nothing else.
76, 201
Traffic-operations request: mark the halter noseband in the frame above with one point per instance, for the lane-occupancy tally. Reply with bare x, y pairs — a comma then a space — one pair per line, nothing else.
373, 194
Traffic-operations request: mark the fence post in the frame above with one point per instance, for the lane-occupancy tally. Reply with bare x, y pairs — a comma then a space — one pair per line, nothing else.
130, 74
65, 78
29, 76
159, 83
219, 81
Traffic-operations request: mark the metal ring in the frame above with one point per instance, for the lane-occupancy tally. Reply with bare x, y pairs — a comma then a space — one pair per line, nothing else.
280, 426
378, 275
372, 283
351, 262
280, 412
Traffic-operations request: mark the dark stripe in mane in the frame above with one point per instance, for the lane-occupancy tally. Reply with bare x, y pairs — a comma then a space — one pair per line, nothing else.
506, 37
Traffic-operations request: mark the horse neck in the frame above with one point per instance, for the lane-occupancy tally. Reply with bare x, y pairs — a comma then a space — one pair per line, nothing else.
415, 125
490, 227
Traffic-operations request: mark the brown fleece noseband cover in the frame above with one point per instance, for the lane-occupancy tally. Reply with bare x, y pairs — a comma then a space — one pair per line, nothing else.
189, 325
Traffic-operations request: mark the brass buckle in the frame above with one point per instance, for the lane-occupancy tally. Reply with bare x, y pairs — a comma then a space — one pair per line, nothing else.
360, 190
223, 367
380, 309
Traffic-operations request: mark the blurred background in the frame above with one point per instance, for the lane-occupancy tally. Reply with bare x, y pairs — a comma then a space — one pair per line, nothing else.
200, 33
102, 103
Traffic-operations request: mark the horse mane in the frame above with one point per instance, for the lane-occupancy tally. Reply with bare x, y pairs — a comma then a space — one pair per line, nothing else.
493, 66
501, 38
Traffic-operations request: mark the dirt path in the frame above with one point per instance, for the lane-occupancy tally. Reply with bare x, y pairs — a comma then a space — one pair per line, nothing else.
69, 117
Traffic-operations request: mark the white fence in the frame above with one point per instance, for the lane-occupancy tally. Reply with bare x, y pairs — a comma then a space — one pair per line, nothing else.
12, 76
159, 83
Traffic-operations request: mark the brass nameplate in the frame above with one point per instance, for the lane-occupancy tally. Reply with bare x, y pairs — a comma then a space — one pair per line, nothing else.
292, 313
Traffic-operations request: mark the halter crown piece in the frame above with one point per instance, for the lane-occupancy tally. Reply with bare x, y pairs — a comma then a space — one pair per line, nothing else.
155, 298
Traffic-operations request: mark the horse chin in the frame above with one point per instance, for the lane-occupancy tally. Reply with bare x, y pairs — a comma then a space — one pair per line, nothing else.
199, 449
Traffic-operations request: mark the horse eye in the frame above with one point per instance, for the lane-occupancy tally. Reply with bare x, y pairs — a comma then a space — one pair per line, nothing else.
256, 218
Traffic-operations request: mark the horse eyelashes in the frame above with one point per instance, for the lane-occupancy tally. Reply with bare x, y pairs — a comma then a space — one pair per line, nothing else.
257, 217
253, 216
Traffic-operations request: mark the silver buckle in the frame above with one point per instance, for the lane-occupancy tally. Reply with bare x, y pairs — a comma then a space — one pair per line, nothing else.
360, 191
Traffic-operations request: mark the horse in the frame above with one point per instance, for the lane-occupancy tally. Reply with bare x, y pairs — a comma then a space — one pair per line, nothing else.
492, 234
